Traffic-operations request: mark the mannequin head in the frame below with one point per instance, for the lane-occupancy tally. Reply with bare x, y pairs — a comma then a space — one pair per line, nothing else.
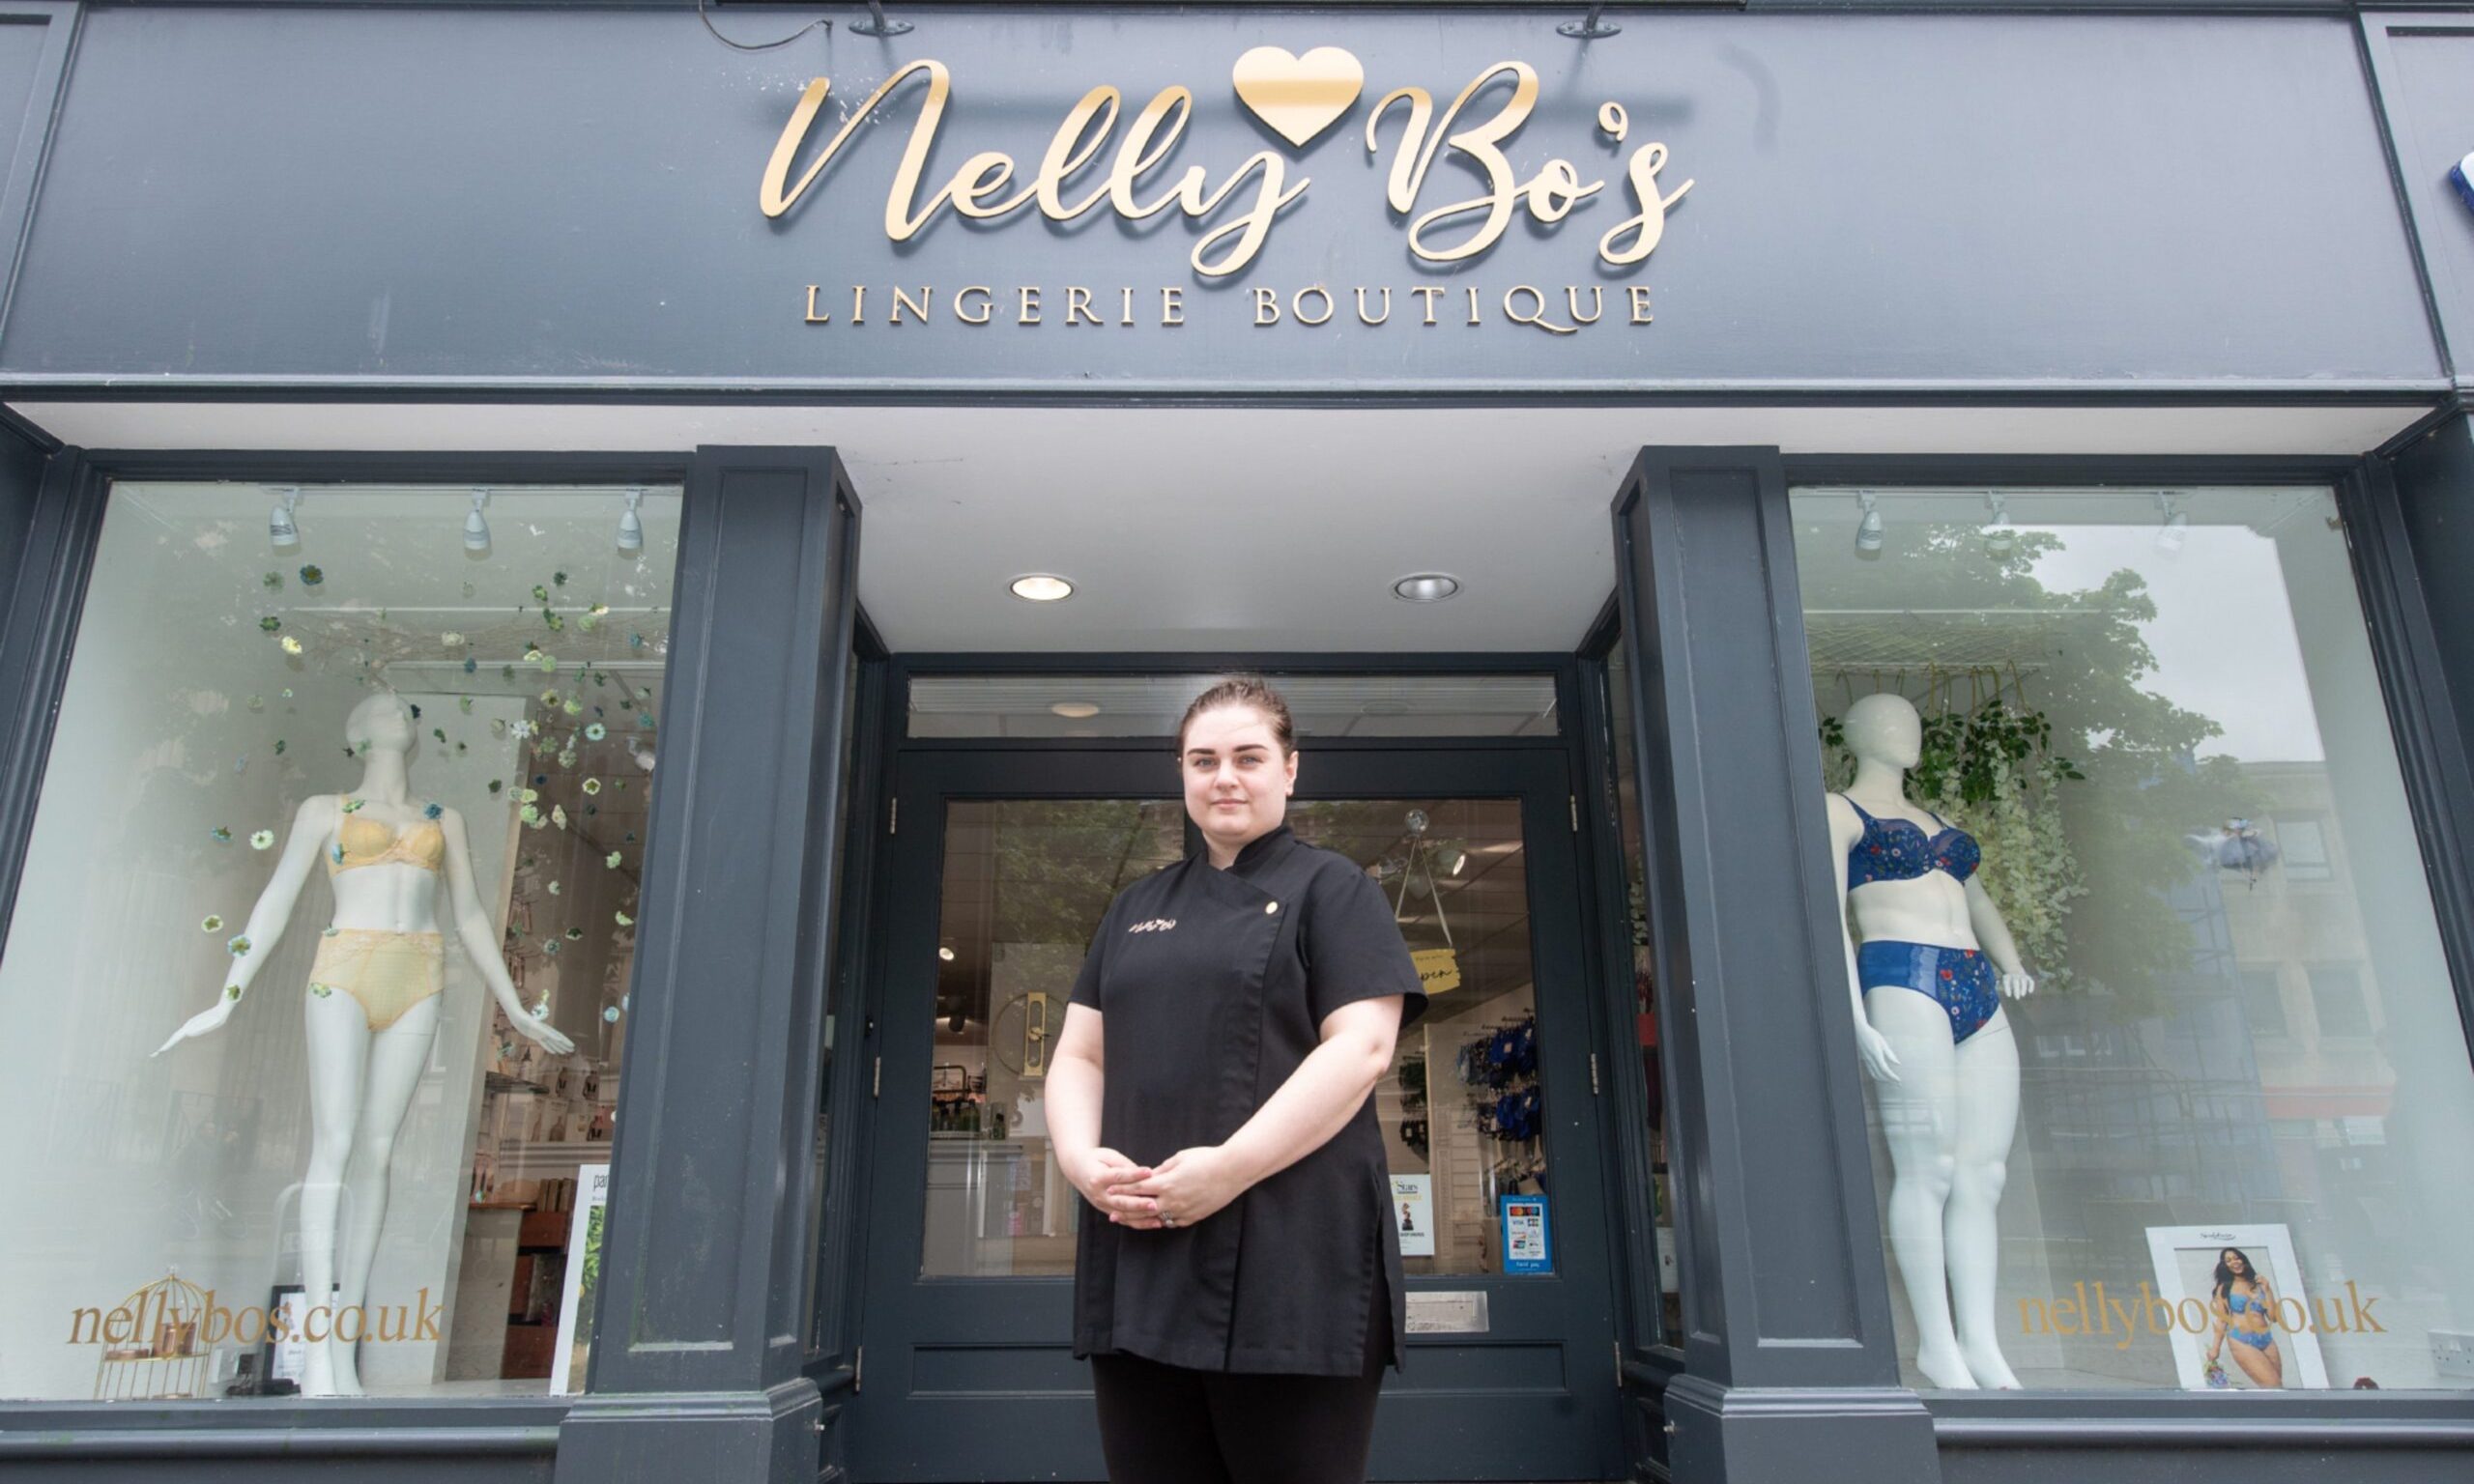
383, 722
1884, 728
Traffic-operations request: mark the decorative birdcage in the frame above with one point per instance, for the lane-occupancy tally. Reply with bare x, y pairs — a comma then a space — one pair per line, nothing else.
163, 1353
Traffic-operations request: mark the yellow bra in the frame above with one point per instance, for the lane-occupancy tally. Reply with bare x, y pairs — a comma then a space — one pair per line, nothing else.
363, 842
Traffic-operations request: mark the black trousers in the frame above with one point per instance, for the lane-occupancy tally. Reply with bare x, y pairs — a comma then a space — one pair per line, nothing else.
1166, 1424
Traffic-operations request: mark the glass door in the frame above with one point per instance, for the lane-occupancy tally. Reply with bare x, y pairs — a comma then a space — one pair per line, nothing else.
1001, 865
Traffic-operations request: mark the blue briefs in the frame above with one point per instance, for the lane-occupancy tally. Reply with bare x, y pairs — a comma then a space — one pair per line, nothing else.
2257, 1339
1960, 979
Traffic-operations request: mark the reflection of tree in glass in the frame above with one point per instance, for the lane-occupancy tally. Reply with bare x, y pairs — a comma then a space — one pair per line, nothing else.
2079, 657
1060, 861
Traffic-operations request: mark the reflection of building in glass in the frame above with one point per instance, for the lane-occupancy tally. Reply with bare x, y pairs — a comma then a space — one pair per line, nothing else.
2314, 1002
2258, 1096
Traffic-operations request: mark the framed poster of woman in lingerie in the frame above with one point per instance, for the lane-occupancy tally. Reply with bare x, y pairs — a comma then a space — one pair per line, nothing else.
2242, 1320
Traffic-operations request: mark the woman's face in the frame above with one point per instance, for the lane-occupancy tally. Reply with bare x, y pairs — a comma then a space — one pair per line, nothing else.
2236, 1264
1237, 779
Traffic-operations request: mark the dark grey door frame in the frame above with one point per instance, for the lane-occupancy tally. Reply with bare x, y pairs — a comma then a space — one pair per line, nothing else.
940, 1436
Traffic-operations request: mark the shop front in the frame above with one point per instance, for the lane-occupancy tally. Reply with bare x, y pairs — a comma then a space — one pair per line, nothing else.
599, 608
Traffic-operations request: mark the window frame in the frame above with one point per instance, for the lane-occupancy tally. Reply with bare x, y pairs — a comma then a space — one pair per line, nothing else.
2432, 762
42, 612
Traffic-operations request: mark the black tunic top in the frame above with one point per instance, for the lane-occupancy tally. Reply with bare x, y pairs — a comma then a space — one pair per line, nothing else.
1214, 986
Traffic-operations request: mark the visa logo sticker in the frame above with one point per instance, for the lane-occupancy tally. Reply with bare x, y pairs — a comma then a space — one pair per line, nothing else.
2461, 175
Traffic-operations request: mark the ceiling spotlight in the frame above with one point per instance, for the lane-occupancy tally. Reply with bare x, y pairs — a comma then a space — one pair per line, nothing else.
631, 528
1870, 529
1041, 587
1074, 710
282, 531
477, 530
1454, 858
1426, 587
945, 953
2176, 529
2000, 537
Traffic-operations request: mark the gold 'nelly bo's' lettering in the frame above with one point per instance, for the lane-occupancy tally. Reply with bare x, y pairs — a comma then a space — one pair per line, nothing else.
974, 189
982, 186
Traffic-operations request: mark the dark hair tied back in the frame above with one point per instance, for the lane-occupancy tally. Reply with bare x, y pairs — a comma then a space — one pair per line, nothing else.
1244, 690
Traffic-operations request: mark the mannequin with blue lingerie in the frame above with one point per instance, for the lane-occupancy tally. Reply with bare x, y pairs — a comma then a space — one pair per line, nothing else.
1929, 962
373, 1002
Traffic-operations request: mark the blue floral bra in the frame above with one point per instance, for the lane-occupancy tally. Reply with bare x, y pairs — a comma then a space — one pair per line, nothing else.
1899, 850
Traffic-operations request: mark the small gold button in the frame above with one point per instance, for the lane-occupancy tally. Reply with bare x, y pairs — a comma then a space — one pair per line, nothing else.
1270, 907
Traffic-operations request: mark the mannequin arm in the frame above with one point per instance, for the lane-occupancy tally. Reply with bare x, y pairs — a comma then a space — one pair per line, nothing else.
1998, 945
481, 944
312, 824
1874, 1047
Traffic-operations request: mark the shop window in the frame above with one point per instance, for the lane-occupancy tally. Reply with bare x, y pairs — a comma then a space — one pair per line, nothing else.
1622, 802
315, 997
2337, 1000
2131, 742
2305, 845
2264, 1002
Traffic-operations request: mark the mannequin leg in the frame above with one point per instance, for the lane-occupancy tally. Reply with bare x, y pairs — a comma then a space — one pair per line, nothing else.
398, 1055
339, 1046
1988, 1082
1920, 1118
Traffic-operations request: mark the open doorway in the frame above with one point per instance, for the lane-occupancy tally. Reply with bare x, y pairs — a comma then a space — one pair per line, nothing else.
1029, 776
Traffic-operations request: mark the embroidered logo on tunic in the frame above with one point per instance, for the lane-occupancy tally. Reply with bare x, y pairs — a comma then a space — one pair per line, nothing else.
1156, 924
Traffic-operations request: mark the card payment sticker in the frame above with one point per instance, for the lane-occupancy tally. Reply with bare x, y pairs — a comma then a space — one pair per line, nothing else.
1527, 1246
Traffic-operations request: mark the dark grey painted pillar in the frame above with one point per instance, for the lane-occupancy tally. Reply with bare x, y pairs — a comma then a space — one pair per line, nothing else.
702, 1319
1790, 1366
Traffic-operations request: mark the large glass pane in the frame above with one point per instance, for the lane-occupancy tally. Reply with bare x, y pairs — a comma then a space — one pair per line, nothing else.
351, 784
1461, 1108
1025, 883
2222, 1144
1152, 705
1624, 801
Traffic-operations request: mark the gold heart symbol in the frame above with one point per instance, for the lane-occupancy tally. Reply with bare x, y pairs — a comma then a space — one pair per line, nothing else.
1297, 96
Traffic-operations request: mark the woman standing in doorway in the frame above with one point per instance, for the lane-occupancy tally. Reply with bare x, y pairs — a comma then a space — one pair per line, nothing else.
1209, 1097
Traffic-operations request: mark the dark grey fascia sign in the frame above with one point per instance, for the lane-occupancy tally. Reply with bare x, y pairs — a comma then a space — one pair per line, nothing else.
1216, 199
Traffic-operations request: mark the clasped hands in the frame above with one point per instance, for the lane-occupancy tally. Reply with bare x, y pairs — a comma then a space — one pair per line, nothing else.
1181, 1190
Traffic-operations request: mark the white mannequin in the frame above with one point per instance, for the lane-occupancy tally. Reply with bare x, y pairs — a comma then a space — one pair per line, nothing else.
361, 1081
1949, 1109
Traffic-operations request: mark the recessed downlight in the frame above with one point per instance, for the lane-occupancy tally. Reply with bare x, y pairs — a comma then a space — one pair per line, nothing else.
1074, 710
946, 953
1041, 587
1426, 587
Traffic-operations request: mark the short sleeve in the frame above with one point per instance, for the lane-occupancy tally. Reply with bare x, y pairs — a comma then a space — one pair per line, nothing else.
1353, 947
1086, 984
